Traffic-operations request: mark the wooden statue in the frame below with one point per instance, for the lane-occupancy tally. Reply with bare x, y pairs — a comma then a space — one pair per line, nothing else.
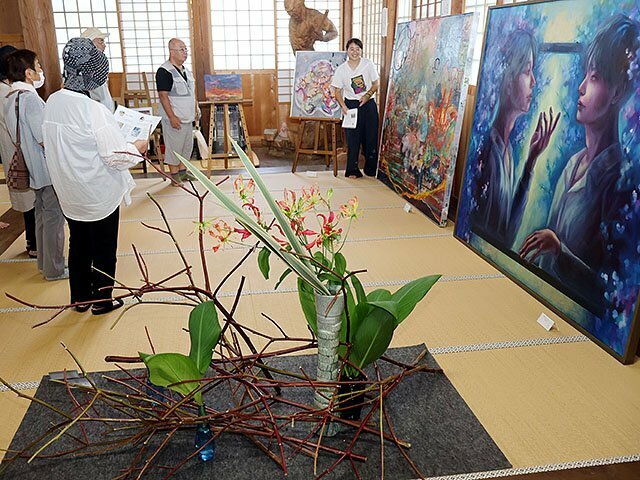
306, 26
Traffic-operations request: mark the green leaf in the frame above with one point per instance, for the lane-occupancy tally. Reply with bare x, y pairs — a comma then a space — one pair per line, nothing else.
293, 262
388, 305
373, 336
166, 369
351, 307
308, 304
410, 294
204, 330
321, 259
360, 313
282, 277
263, 262
340, 264
379, 294
360, 295
327, 277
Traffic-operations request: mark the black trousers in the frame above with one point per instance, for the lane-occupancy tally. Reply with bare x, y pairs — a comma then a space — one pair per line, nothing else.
93, 244
366, 135
30, 229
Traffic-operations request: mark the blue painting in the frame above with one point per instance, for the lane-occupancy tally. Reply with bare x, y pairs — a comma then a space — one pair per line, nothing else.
550, 190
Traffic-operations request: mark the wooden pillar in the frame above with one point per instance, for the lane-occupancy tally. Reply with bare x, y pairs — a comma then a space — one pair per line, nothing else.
346, 32
40, 36
201, 49
457, 6
387, 52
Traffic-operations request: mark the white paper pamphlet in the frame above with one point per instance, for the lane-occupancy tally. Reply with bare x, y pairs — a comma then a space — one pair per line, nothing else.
350, 120
136, 124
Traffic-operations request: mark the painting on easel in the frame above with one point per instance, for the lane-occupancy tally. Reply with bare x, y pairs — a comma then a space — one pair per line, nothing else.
223, 87
312, 95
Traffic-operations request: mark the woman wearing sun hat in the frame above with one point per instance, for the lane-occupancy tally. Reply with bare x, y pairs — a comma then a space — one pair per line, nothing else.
88, 160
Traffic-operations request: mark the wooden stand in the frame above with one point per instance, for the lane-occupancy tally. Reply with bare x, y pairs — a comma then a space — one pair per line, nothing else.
329, 153
228, 152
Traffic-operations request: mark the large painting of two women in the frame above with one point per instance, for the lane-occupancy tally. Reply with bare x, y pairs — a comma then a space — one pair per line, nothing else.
551, 183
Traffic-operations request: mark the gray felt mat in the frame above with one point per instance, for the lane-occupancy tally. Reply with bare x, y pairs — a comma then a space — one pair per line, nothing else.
445, 436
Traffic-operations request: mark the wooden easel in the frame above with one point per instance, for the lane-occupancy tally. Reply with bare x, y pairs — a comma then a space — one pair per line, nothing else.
228, 152
329, 153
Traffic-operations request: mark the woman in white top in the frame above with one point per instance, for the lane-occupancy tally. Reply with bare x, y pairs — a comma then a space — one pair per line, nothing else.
20, 201
88, 159
26, 75
355, 83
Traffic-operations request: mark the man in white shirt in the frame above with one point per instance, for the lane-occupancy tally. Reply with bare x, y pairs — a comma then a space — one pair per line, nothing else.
88, 160
178, 109
102, 93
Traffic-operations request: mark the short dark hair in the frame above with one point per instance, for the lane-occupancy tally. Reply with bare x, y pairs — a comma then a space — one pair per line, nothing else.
18, 62
4, 53
357, 41
611, 51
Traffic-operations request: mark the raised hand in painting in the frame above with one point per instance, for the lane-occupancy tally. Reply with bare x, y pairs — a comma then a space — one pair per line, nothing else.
540, 241
541, 137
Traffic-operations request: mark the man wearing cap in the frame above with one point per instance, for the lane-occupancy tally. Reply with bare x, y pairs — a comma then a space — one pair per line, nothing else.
178, 108
102, 93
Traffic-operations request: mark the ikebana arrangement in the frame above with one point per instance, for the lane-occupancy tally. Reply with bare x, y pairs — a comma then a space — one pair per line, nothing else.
241, 365
354, 329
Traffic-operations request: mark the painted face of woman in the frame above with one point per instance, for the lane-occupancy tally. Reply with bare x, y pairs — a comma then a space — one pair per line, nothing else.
522, 89
596, 99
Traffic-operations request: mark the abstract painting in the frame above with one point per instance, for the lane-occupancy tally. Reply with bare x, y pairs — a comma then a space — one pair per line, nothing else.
312, 96
425, 104
223, 87
550, 190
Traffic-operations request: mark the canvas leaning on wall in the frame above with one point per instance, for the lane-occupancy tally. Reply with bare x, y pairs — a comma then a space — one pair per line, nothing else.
425, 106
312, 95
550, 191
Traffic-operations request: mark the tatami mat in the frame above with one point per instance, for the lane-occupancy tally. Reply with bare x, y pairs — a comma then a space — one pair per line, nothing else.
551, 404
542, 404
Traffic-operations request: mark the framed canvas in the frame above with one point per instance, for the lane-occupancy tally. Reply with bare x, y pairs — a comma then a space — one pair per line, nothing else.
425, 104
312, 96
223, 87
550, 189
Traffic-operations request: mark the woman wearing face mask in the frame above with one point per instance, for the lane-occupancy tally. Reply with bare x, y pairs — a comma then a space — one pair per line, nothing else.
20, 201
355, 82
501, 193
26, 75
89, 159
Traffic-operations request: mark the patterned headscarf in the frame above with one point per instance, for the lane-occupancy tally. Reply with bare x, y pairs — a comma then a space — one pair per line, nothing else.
85, 67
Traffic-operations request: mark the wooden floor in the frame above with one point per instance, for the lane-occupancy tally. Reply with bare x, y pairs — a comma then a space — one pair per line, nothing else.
550, 400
